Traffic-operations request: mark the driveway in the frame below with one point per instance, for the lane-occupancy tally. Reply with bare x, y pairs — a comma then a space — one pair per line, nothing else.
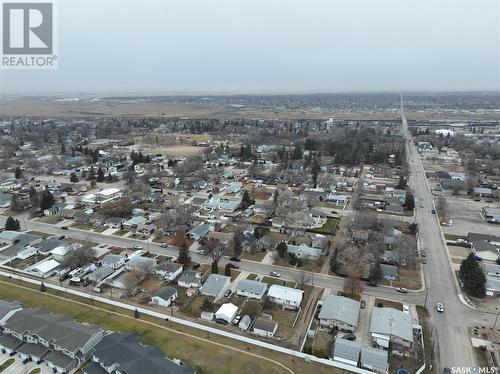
365, 315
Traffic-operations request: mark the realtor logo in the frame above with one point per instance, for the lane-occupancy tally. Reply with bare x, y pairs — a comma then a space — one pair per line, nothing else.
28, 35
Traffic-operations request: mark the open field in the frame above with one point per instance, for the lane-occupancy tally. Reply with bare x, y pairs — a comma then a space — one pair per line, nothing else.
192, 346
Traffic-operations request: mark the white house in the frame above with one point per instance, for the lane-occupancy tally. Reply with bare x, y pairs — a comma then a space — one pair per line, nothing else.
265, 327
169, 270
164, 296
215, 285
287, 297
113, 261
189, 279
45, 268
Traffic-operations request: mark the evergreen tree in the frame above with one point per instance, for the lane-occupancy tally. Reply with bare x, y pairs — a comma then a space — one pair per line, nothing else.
47, 200
63, 149
409, 203
136, 313
215, 267
12, 224
15, 205
282, 248
43, 287
184, 256
34, 198
472, 276
376, 272
73, 178
334, 260
18, 173
237, 246
227, 270
100, 175
246, 200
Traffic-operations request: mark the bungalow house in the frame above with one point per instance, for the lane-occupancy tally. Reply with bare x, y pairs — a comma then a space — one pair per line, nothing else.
304, 251
492, 286
389, 272
251, 289
146, 228
215, 285
483, 192
200, 231
266, 243
340, 312
113, 261
164, 296
221, 237
337, 199
265, 327
189, 279
248, 241
134, 222
44, 269
288, 298
390, 326
346, 351
485, 249
124, 353
168, 270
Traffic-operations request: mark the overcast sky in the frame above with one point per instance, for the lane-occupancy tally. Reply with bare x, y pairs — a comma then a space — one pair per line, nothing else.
270, 46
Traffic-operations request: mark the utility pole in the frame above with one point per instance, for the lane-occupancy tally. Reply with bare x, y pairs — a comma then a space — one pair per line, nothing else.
496, 319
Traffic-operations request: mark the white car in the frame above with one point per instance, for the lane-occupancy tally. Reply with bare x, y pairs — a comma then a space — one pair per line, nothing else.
137, 246
275, 274
406, 309
440, 307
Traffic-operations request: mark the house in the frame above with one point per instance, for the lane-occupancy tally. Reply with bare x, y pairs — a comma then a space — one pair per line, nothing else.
114, 222
51, 211
248, 241
485, 249
215, 285
226, 313
63, 343
146, 228
265, 327
99, 275
251, 289
44, 269
221, 237
389, 272
491, 215
124, 353
164, 296
337, 199
113, 261
346, 351
374, 359
360, 236
304, 251
134, 222
266, 243
200, 231
189, 279
288, 298
339, 311
391, 326
168, 270
140, 263
233, 187
483, 192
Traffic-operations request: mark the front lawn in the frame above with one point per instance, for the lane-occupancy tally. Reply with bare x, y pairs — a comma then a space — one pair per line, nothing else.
50, 219
82, 226
328, 228
6, 364
120, 232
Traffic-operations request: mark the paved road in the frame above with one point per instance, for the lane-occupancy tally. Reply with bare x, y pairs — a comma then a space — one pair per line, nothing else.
455, 349
315, 279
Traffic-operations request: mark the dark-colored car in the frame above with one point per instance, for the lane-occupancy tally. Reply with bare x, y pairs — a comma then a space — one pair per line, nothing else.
237, 259
64, 228
232, 266
350, 337
227, 293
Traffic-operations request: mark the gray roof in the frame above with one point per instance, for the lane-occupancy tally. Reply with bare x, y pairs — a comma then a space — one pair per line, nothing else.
189, 276
483, 245
492, 284
392, 322
264, 324
36, 350
377, 358
141, 261
346, 349
9, 341
214, 284
60, 329
168, 266
251, 286
340, 308
492, 268
100, 274
112, 258
7, 306
389, 270
200, 230
125, 350
49, 244
59, 359
166, 292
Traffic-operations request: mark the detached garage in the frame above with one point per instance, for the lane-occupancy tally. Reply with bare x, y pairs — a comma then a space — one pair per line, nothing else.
226, 313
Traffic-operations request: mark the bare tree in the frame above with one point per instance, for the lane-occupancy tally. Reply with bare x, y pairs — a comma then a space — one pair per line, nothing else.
405, 251
302, 279
78, 256
353, 285
130, 281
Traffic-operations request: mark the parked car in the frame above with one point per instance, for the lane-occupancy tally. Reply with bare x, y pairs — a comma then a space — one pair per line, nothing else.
424, 261
137, 246
424, 254
433, 211
228, 293
232, 266
163, 245
363, 304
236, 320
350, 337
402, 290
64, 228
440, 307
237, 259
275, 274
406, 308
